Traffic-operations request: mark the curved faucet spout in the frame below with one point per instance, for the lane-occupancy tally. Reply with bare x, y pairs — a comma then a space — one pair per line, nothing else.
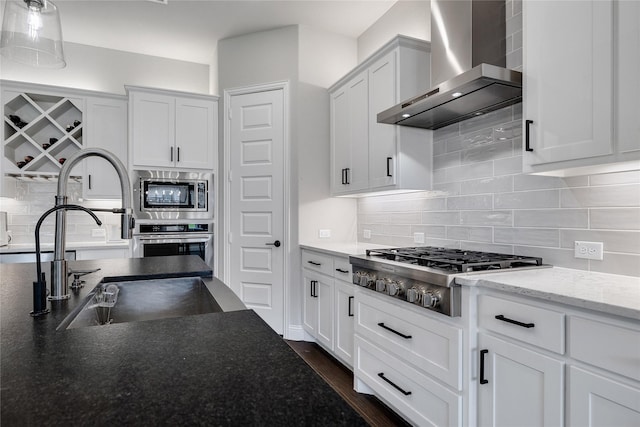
58, 267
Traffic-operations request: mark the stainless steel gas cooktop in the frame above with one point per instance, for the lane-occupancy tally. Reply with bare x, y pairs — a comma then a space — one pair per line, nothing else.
425, 275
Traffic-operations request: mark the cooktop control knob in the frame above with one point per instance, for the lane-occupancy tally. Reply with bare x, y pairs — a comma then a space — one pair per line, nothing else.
430, 299
395, 288
381, 285
413, 295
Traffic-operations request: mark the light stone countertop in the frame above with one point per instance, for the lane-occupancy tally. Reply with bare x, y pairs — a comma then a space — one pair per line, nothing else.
341, 248
607, 293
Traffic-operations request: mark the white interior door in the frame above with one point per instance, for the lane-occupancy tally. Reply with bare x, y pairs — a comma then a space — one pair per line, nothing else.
256, 223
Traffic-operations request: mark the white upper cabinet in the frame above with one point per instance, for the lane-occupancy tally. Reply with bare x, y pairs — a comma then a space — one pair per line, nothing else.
367, 156
172, 130
106, 127
581, 62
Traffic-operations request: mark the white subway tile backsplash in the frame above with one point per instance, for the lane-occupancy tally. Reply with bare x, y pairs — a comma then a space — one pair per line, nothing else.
615, 218
446, 160
441, 218
489, 150
500, 184
507, 166
632, 177
491, 120
625, 264
606, 196
470, 171
553, 256
527, 199
439, 147
397, 230
494, 218
473, 202
448, 188
557, 218
486, 247
476, 234
430, 231
547, 237
405, 218
446, 132
517, 40
539, 182
613, 240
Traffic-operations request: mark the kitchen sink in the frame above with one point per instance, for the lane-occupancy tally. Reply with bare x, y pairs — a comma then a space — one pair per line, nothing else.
136, 300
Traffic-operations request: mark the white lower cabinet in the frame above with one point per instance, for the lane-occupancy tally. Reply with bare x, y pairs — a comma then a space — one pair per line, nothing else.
595, 400
410, 358
327, 313
106, 253
517, 386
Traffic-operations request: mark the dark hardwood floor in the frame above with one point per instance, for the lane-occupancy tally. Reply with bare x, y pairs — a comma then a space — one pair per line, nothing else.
341, 380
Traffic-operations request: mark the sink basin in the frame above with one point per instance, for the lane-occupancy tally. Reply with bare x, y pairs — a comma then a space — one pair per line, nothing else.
136, 300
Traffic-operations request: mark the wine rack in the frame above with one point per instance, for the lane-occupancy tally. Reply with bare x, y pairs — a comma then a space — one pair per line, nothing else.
40, 132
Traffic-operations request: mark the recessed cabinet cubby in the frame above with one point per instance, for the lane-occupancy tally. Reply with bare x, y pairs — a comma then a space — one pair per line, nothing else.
45, 128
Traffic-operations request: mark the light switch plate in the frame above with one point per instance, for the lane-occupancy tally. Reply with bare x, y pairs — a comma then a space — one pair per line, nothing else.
589, 250
366, 234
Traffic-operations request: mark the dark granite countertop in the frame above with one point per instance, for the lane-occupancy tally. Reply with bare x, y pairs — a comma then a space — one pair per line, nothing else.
225, 368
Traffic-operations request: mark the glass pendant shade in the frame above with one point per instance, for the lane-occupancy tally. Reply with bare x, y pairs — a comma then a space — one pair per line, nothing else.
31, 33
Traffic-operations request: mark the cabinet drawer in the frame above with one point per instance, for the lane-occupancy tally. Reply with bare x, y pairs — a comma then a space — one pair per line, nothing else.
414, 395
317, 262
607, 346
534, 325
342, 269
428, 344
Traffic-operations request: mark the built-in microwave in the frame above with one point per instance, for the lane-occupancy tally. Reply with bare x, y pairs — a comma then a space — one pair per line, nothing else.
172, 195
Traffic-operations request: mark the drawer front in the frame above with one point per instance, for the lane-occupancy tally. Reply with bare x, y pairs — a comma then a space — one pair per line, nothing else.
317, 262
534, 325
342, 269
414, 395
607, 346
429, 345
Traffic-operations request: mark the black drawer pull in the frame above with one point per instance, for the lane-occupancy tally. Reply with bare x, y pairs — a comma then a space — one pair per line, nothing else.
382, 325
314, 289
515, 322
389, 166
346, 176
350, 306
317, 264
483, 380
339, 270
406, 393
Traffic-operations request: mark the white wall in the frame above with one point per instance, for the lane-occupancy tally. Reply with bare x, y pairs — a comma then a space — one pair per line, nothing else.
409, 18
108, 70
323, 59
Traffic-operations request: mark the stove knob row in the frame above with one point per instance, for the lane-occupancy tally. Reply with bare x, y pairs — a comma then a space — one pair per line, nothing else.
423, 297
364, 279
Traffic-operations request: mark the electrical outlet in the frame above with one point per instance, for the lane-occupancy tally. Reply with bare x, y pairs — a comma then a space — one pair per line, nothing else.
418, 237
366, 234
589, 250
98, 232
324, 234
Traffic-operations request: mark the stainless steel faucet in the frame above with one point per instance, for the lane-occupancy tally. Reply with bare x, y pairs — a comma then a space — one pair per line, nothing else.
59, 270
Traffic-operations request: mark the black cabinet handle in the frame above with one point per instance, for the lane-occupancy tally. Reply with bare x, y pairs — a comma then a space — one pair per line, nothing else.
317, 264
313, 288
346, 176
350, 307
515, 322
483, 380
527, 133
406, 393
178, 159
382, 325
89, 181
339, 270
171, 155
389, 166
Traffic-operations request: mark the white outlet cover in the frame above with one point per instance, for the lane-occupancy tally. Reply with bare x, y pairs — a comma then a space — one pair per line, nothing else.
589, 250
366, 234
324, 233
418, 237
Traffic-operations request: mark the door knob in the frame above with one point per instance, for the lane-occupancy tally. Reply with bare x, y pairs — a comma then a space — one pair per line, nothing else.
276, 244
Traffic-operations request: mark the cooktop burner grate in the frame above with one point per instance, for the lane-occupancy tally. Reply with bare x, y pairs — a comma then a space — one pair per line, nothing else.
454, 260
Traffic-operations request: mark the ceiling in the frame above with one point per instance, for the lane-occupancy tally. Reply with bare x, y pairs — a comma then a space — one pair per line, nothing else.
188, 30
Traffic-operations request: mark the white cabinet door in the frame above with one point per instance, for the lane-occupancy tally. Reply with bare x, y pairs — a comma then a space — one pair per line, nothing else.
523, 388
568, 80
382, 137
106, 124
340, 140
153, 125
324, 298
597, 401
195, 133
344, 317
309, 303
627, 71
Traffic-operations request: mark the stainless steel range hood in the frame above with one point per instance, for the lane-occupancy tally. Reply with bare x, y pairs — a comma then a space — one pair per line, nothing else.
468, 65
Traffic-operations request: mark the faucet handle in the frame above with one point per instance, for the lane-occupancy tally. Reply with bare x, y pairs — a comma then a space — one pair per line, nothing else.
77, 283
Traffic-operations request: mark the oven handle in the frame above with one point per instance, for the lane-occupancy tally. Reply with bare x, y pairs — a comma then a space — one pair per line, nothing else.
173, 239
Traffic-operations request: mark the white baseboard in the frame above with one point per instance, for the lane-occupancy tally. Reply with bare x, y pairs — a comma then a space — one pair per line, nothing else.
297, 333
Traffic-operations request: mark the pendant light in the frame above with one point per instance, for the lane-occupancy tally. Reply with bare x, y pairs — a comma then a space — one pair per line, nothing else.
31, 33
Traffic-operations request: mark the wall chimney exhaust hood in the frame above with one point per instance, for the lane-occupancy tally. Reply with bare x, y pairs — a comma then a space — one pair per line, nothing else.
468, 45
